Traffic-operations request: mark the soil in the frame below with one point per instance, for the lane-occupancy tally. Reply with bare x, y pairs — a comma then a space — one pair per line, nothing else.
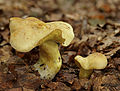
96, 26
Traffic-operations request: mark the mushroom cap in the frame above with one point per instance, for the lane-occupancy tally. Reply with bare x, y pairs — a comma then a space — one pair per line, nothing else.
97, 61
25, 34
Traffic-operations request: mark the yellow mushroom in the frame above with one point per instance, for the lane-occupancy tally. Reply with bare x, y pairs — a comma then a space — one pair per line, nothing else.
26, 34
87, 64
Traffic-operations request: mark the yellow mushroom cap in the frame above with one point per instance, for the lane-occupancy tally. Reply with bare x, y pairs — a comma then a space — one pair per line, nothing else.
93, 61
25, 34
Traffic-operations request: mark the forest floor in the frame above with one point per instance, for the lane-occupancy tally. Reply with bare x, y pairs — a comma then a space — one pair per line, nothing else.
96, 26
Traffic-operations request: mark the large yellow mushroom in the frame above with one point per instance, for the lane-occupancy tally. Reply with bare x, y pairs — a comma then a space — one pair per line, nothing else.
26, 34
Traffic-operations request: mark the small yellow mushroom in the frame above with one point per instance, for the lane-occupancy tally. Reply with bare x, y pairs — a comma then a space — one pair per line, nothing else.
87, 64
26, 34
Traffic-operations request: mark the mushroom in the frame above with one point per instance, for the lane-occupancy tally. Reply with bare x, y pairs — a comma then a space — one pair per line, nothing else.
87, 64
26, 34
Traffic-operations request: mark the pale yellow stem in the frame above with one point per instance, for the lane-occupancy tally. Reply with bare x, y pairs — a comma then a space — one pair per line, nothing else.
50, 60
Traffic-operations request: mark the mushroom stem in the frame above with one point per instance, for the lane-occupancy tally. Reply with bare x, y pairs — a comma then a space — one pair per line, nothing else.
50, 60
85, 73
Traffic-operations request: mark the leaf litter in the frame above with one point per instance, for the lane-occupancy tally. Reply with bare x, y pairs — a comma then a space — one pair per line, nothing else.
96, 26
